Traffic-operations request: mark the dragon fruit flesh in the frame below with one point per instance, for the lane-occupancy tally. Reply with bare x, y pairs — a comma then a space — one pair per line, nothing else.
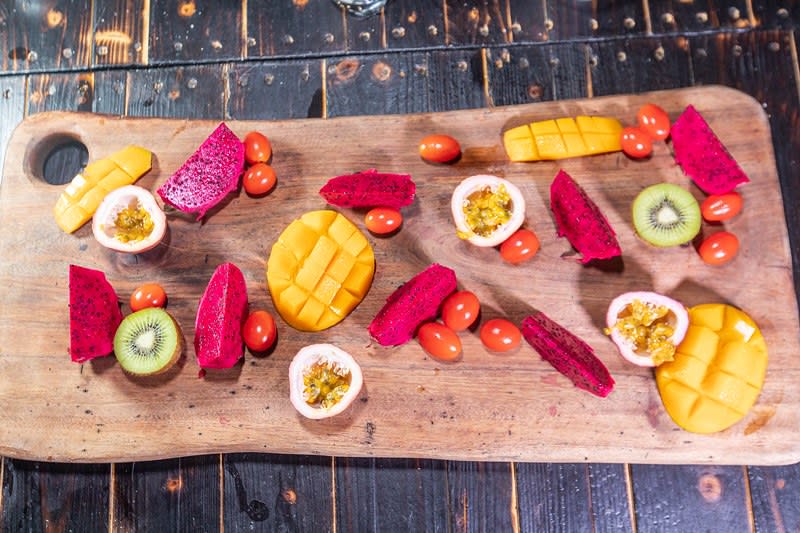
218, 339
369, 189
415, 302
579, 220
94, 314
209, 174
702, 156
568, 354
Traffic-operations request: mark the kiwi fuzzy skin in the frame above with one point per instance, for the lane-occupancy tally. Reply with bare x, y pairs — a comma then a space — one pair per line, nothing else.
170, 362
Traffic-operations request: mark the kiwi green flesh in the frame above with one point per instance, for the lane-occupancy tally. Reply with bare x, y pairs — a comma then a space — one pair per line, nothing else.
666, 215
148, 342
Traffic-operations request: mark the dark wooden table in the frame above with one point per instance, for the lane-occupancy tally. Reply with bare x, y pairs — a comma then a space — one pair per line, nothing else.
265, 59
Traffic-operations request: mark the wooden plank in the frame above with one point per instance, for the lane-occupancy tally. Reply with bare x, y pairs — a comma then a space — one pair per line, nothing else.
673, 15
365, 33
276, 90
265, 492
414, 23
481, 496
710, 498
293, 28
68, 92
529, 20
188, 261
195, 30
12, 108
109, 91
610, 499
776, 497
190, 92
34, 38
54, 497
775, 14
120, 33
568, 19
616, 18
553, 497
477, 22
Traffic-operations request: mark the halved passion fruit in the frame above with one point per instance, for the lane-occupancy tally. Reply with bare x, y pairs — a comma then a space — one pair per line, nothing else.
646, 326
487, 209
323, 380
129, 220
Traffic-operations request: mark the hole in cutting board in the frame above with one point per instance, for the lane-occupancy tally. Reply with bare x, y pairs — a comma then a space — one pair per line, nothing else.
56, 159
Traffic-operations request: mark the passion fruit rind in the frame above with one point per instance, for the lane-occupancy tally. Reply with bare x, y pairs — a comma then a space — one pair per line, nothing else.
487, 209
646, 326
129, 220
323, 381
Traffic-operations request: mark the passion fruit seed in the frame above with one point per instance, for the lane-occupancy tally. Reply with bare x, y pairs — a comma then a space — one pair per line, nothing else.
325, 383
486, 210
133, 223
648, 328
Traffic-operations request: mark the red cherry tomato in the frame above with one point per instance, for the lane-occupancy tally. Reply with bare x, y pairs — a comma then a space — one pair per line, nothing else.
460, 310
636, 143
257, 148
439, 341
654, 121
259, 331
521, 246
719, 207
259, 179
383, 220
500, 335
439, 148
719, 248
148, 295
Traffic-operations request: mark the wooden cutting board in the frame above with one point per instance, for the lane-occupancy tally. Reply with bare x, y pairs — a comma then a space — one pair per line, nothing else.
485, 407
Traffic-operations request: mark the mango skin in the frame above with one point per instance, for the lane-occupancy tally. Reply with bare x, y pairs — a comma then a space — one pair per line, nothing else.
718, 370
83, 194
563, 138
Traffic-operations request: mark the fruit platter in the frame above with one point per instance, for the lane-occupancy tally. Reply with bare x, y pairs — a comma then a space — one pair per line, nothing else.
562, 281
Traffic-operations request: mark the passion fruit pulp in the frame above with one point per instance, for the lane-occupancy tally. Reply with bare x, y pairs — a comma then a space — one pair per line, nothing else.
129, 220
646, 326
323, 381
487, 209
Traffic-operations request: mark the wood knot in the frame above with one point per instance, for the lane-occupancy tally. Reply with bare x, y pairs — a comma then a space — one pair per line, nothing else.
187, 9
710, 487
381, 71
347, 69
535, 91
300, 4
54, 18
174, 484
289, 496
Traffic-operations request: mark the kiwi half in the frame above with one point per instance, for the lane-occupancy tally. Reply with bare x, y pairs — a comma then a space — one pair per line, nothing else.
666, 215
148, 342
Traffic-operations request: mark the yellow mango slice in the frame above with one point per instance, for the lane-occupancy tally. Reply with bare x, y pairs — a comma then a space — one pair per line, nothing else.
718, 370
562, 138
319, 270
83, 194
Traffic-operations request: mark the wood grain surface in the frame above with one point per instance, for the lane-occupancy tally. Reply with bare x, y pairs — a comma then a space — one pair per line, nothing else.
513, 407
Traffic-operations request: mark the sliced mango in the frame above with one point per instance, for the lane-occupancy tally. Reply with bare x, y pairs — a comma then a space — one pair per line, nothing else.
562, 138
83, 194
319, 270
718, 370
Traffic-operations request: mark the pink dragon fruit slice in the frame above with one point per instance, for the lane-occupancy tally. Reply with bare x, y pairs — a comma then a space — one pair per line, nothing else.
702, 156
94, 314
370, 189
208, 175
218, 339
415, 302
579, 220
568, 354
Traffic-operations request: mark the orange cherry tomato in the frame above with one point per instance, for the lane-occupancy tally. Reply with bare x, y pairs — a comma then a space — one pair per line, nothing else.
460, 310
636, 143
383, 220
439, 148
521, 246
500, 335
719, 207
259, 179
439, 341
259, 331
719, 248
257, 148
148, 295
654, 121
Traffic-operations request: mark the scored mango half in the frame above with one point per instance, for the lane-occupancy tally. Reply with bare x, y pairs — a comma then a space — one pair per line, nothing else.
319, 270
562, 138
83, 195
718, 370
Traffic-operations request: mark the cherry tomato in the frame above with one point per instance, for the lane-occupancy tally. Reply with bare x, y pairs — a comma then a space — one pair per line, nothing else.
439, 148
259, 331
257, 148
719, 248
259, 179
521, 246
383, 220
148, 295
719, 207
636, 143
439, 341
500, 335
654, 121
460, 310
